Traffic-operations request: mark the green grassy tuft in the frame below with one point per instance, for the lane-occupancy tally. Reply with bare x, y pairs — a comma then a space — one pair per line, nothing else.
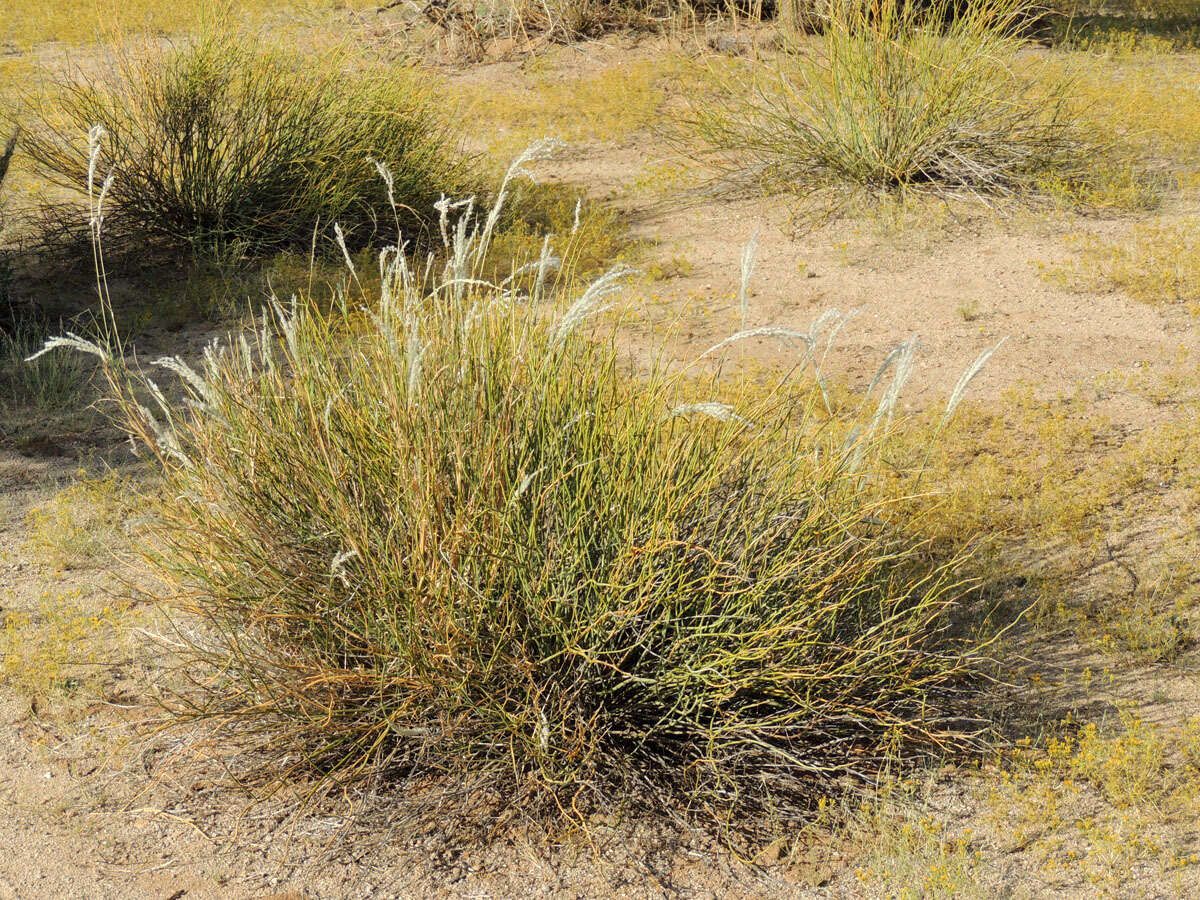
894, 97
453, 538
234, 149
49, 384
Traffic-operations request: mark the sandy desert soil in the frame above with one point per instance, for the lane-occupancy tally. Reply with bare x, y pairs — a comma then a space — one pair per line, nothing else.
97, 805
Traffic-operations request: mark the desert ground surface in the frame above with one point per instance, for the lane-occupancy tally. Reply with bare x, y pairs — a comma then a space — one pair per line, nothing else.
1075, 452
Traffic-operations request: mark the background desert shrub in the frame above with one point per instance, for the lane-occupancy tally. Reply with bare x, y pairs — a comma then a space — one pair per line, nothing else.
573, 19
807, 15
570, 20
230, 148
893, 96
451, 537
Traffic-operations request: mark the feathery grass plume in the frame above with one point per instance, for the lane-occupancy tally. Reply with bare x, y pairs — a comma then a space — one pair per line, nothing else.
893, 97
905, 357
900, 362
964, 381
749, 253
224, 145
591, 301
722, 412
952, 403
835, 320
530, 577
539, 150
789, 337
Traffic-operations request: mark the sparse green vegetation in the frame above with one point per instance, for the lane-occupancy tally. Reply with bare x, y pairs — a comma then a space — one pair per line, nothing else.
56, 649
27, 23
1017, 475
904, 852
601, 107
1126, 99
84, 523
1128, 27
1156, 263
1103, 806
